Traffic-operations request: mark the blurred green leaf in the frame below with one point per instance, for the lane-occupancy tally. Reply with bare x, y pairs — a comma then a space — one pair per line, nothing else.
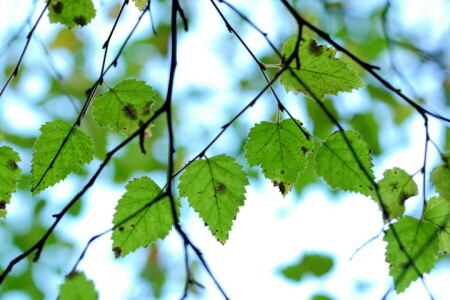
313, 264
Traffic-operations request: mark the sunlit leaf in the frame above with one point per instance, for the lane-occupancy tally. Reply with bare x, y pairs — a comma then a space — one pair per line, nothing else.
341, 167
419, 241
77, 287
77, 152
437, 212
320, 72
441, 177
281, 150
394, 189
148, 223
124, 107
314, 264
71, 13
9, 175
215, 188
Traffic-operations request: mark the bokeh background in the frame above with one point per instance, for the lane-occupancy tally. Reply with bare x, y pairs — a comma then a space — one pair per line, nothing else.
215, 79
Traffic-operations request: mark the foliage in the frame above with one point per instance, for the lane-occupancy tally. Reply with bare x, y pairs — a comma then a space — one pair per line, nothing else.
9, 174
215, 188
133, 130
280, 151
58, 152
411, 251
153, 221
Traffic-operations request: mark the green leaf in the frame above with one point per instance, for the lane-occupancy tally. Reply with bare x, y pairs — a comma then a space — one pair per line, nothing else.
9, 175
71, 13
141, 4
215, 188
281, 150
336, 163
125, 107
418, 239
151, 222
317, 265
77, 152
320, 71
77, 287
440, 176
437, 211
394, 189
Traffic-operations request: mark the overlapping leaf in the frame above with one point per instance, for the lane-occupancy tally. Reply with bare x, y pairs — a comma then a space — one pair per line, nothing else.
437, 212
150, 221
441, 177
77, 151
9, 175
76, 287
394, 189
418, 239
71, 13
345, 165
281, 150
320, 72
215, 188
124, 107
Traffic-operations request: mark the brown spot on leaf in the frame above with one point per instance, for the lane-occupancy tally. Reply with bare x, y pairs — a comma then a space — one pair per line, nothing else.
132, 225
2, 205
121, 228
80, 20
11, 164
130, 111
117, 252
304, 150
58, 7
220, 188
315, 49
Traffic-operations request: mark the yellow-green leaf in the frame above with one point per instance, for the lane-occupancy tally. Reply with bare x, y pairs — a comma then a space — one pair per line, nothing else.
346, 166
77, 287
215, 188
77, 152
394, 189
419, 241
124, 107
440, 176
141, 4
281, 150
437, 212
320, 72
9, 175
71, 13
151, 222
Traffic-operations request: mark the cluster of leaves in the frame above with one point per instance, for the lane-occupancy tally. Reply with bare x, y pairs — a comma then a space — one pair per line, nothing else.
215, 186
